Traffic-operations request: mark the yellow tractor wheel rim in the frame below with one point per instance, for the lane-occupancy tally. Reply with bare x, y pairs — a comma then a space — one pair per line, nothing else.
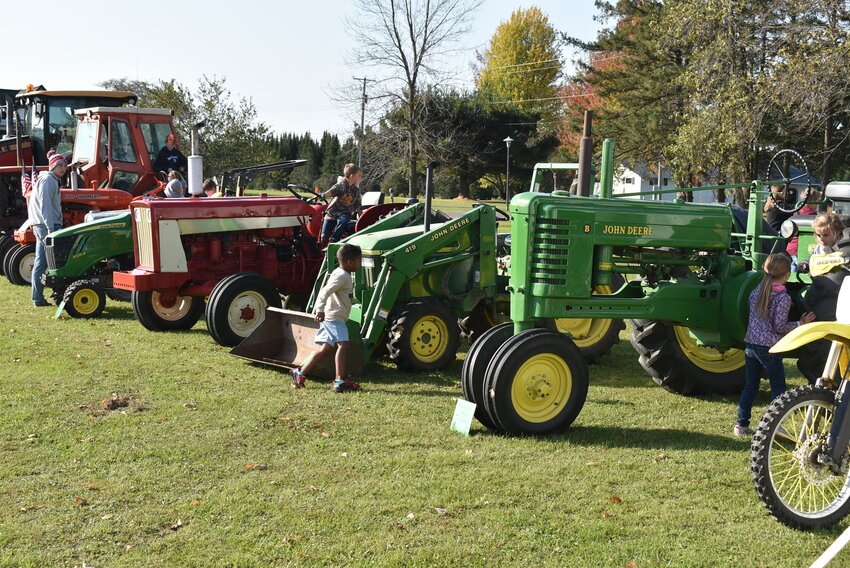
800, 482
85, 301
541, 388
708, 358
584, 332
429, 339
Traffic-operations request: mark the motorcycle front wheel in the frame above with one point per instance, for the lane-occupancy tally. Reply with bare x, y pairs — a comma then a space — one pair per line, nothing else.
797, 489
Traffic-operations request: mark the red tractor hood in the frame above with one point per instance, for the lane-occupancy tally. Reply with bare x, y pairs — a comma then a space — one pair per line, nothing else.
225, 207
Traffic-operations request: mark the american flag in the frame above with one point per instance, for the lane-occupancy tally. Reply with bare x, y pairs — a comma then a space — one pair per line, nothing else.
26, 181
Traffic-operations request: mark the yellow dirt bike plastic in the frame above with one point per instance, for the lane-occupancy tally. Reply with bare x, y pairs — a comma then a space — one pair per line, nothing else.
820, 264
809, 332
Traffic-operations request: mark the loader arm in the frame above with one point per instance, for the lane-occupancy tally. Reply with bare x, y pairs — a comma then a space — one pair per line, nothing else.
405, 261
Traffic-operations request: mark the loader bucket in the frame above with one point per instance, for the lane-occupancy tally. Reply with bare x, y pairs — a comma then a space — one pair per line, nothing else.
285, 338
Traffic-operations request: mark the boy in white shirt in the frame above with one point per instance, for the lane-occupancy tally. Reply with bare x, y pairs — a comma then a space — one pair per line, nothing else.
333, 306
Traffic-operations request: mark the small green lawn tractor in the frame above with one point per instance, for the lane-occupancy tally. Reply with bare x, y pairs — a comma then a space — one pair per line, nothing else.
81, 260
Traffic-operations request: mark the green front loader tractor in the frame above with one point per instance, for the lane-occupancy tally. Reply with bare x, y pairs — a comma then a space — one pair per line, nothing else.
688, 271
82, 258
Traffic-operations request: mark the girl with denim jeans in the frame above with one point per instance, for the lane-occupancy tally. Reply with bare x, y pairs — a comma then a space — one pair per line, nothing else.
769, 307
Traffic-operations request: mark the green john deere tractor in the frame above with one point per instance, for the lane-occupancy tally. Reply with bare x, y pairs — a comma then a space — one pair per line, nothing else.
688, 268
82, 258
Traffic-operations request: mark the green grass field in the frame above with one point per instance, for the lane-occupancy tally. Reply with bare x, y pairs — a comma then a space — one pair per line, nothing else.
204, 460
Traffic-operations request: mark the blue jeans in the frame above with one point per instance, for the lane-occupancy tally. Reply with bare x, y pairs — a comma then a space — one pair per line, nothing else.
756, 357
338, 226
39, 266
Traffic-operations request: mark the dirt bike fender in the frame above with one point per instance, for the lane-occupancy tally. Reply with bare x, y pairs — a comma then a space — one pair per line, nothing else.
796, 338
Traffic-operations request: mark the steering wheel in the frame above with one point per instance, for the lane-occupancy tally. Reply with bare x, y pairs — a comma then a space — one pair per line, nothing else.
775, 166
502, 215
311, 200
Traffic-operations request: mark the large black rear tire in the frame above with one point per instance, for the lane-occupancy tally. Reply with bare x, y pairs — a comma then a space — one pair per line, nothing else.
673, 359
19, 264
798, 490
6, 242
158, 312
237, 306
424, 336
536, 383
475, 366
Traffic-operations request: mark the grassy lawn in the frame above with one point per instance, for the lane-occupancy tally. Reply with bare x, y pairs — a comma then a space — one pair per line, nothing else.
216, 462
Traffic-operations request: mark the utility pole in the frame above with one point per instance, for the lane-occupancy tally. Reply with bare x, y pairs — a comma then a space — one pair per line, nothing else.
362, 120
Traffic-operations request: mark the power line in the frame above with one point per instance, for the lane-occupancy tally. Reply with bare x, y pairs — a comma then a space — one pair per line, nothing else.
524, 64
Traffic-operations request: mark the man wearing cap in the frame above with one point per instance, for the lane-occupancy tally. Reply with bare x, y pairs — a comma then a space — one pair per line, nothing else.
45, 216
170, 157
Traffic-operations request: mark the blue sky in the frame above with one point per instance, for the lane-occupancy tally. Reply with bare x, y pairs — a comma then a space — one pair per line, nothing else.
286, 55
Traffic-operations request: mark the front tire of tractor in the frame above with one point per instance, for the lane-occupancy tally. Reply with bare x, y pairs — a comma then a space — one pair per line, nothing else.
475, 366
6, 243
19, 263
424, 336
798, 490
675, 362
161, 312
536, 383
84, 299
238, 305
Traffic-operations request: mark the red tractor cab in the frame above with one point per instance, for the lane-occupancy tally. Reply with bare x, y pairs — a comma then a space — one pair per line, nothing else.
117, 147
113, 155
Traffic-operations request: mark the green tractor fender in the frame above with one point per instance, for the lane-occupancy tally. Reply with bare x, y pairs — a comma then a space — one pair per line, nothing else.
75, 250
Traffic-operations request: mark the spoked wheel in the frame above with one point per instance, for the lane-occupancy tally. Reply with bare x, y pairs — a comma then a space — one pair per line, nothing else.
775, 167
84, 299
424, 336
680, 365
237, 306
536, 383
19, 263
164, 312
789, 478
475, 366
6, 242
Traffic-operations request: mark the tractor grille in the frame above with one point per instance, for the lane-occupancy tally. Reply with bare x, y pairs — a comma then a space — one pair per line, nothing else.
58, 251
144, 237
549, 253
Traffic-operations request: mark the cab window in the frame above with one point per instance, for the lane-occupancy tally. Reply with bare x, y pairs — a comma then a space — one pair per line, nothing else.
121, 142
154, 134
86, 143
61, 127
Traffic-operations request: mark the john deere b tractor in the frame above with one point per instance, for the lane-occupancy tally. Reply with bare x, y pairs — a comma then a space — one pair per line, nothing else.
689, 270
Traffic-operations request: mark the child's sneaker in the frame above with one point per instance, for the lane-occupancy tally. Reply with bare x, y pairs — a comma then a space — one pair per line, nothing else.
739, 430
297, 378
345, 386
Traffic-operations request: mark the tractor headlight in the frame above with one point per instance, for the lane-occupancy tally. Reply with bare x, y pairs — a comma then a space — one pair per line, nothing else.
788, 230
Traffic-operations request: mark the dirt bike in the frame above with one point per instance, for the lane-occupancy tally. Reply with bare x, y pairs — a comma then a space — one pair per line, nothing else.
800, 453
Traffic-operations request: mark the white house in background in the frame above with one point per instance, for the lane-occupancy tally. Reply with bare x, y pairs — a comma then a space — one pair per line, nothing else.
638, 178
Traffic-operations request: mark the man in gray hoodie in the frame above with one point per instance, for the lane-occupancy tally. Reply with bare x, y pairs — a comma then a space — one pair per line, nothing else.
45, 215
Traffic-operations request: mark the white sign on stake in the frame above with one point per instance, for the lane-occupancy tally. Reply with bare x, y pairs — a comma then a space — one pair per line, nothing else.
462, 420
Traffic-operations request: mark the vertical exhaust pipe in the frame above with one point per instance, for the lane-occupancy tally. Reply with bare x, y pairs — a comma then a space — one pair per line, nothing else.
585, 155
429, 192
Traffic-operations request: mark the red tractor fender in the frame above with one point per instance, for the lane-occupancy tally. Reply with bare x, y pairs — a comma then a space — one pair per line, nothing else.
371, 215
314, 227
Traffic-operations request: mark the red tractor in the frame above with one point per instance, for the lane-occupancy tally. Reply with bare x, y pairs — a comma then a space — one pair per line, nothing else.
244, 253
114, 152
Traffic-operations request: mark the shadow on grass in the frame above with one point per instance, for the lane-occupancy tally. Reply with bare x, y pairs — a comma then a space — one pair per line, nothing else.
643, 438
651, 438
